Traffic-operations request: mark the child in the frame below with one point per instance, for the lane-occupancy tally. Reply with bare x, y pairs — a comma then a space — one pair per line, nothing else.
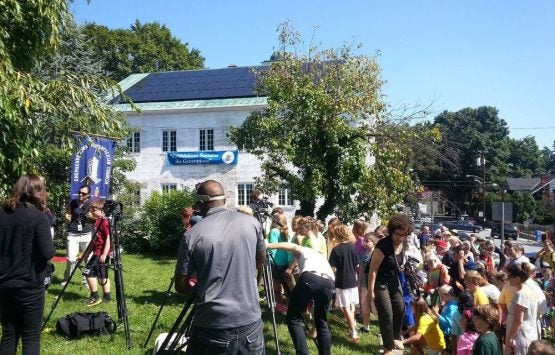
464, 333
344, 260
279, 259
370, 240
428, 338
97, 267
472, 280
448, 311
486, 318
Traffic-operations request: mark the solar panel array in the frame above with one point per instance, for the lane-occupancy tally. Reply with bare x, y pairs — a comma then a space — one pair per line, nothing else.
232, 82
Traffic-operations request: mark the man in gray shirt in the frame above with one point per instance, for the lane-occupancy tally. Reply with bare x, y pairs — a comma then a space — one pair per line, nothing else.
224, 249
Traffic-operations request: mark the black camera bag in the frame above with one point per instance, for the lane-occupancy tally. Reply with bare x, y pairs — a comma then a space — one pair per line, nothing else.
79, 324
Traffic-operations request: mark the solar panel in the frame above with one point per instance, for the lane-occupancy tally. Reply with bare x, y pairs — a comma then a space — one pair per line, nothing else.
193, 85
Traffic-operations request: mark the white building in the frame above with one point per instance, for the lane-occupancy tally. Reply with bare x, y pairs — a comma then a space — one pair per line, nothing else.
182, 131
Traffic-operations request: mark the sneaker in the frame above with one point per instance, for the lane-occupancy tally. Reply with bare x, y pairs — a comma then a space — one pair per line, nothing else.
354, 339
106, 300
364, 330
91, 302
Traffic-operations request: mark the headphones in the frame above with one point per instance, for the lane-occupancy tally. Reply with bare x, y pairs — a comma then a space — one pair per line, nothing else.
208, 198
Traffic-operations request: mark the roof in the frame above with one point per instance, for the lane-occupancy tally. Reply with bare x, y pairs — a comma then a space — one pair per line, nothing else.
522, 184
205, 84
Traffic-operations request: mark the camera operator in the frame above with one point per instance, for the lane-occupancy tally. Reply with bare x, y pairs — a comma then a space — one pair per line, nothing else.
224, 249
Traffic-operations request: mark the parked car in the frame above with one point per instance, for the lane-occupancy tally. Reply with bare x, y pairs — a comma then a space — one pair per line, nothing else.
511, 231
463, 225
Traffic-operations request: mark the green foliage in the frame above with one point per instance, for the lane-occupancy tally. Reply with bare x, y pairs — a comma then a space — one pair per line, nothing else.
142, 48
158, 230
47, 90
324, 110
526, 159
526, 206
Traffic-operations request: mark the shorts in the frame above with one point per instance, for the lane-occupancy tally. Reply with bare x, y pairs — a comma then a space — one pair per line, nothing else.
346, 297
96, 269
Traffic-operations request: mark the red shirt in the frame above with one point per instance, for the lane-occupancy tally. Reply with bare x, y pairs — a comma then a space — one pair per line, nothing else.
102, 228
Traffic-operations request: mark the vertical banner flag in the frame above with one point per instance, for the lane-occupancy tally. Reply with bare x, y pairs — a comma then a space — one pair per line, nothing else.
92, 165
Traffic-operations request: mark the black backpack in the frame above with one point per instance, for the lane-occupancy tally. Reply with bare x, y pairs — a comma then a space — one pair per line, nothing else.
79, 324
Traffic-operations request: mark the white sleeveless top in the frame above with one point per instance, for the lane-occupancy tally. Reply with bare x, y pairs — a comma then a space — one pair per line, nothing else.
314, 261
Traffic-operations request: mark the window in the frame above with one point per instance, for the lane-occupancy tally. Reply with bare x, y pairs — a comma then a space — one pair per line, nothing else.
206, 139
169, 141
134, 142
285, 197
244, 193
169, 187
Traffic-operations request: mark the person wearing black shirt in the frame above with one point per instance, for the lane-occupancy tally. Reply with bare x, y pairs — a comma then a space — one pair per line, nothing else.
384, 287
344, 260
79, 228
25, 247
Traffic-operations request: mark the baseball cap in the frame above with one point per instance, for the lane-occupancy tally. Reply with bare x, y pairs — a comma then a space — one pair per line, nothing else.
442, 244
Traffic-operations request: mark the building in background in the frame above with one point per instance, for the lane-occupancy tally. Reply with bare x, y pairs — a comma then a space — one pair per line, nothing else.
181, 135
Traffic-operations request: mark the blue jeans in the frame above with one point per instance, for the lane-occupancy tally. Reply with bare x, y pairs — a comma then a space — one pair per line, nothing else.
21, 312
247, 339
310, 287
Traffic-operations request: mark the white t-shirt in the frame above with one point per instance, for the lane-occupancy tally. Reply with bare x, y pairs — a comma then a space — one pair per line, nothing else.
314, 261
491, 291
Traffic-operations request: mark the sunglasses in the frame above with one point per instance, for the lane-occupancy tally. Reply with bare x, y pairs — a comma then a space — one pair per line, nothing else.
82, 193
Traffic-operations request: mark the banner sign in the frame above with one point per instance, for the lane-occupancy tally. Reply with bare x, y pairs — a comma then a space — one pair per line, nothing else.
92, 165
203, 157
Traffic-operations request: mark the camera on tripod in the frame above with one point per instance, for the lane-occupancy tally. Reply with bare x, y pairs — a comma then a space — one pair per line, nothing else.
263, 205
114, 209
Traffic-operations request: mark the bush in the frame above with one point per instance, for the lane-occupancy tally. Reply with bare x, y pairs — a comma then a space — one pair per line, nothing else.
158, 228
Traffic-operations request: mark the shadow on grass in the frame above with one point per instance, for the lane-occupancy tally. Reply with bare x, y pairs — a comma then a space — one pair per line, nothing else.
157, 297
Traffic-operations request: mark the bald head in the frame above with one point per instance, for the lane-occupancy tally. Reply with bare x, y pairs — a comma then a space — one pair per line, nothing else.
212, 188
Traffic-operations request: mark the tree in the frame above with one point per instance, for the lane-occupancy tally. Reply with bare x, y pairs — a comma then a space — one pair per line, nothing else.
39, 108
142, 48
323, 126
525, 158
467, 135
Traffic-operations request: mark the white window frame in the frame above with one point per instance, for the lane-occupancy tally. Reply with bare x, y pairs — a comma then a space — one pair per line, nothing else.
169, 140
244, 191
134, 142
206, 139
285, 197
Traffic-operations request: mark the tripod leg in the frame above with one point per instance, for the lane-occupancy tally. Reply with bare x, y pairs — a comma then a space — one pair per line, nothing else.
270, 297
159, 312
61, 294
176, 324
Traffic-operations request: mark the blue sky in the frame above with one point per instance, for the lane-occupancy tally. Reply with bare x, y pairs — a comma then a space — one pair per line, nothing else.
453, 54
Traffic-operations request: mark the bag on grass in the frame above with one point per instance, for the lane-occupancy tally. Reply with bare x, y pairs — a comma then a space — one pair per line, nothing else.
79, 324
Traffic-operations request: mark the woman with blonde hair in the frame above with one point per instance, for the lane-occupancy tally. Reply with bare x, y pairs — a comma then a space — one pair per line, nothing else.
279, 233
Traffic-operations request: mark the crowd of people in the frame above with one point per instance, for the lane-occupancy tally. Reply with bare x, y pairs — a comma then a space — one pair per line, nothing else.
432, 293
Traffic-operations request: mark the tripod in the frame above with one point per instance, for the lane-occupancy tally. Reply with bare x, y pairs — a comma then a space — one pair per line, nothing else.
114, 213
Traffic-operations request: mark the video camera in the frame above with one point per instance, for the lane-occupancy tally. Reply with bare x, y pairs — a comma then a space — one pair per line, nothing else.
114, 209
262, 205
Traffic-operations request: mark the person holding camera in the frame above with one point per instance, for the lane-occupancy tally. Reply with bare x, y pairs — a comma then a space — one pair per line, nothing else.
79, 228
224, 249
97, 267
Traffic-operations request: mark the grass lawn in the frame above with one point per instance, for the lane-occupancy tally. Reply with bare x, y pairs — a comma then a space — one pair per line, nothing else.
146, 280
